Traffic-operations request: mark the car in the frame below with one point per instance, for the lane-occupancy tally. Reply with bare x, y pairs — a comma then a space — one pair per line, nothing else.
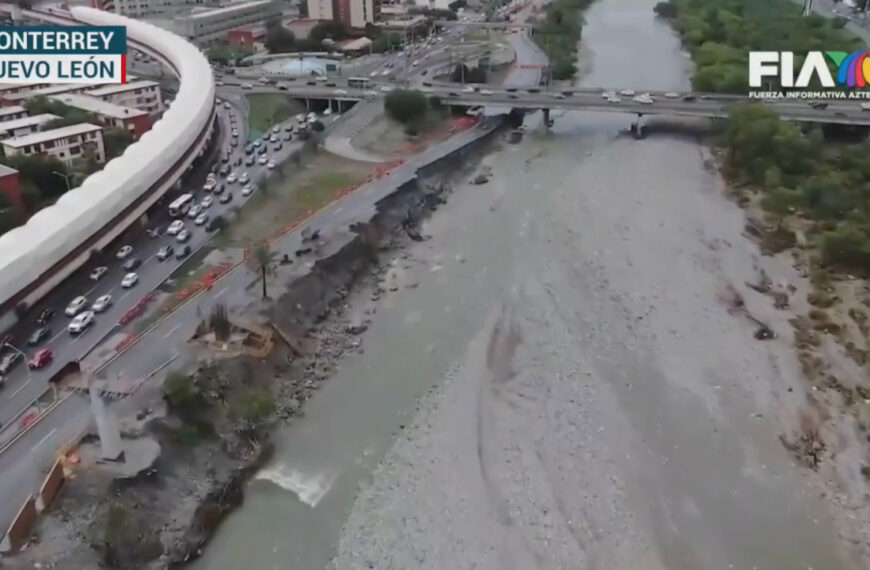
103, 302
44, 316
201, 219
219, 189
184, 235
277, 147
468, 89
386, 88
124, 252
262, 150
263, 160
227, 105
249, 149
133, 263
39, 335
226, 198
250, 161
512, 96
288, 137
235, 132
175, 227
270, 165
643, 99
558, 96
672, 95
257, 143
226, 157
76, 306
9, 361
244, 178
485, 92
209, 185
207, 202
865, 106
232, 177
273, 139
282, 87
182, 252
194, 211
81, 322
627, 92
276, 129
98, 272
225, 169
40, 358
216, 223
614, 99
818, 105
247, 86
238, 161
247, 190
688, 98
164, 252
567, 93
129, 280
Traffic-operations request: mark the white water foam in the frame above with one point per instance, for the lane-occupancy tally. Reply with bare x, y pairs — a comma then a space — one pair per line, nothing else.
309, 488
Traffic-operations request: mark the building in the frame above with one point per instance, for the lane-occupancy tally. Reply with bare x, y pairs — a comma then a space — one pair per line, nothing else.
144, 8
110, 115
206, 26
12, 113
17, 98
13, 88
246, 36
404, 24
354, 14
320, 9
142, 94
25, 125
10, 187
66, 143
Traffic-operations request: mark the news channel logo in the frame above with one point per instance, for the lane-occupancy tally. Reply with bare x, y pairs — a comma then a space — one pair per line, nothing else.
87, 55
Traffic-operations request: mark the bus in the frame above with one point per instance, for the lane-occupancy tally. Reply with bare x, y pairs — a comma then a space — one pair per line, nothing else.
181, 205
359, 83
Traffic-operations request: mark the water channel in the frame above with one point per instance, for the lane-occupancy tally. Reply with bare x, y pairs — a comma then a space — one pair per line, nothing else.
699, 486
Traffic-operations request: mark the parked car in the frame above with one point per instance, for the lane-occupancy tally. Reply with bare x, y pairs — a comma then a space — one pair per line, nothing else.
98, 272
39, 335
9, 361
132, 264
81, 322
41, 358
102, 303
44, 317
76, 306
124, 252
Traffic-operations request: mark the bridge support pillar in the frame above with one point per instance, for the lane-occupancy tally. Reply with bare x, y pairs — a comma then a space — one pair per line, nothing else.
548, 122
638, 128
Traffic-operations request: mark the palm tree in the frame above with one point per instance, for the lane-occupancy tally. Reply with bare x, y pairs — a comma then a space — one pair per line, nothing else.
261, 260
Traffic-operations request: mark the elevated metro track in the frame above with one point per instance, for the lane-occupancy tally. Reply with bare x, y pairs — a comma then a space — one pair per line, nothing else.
60, 239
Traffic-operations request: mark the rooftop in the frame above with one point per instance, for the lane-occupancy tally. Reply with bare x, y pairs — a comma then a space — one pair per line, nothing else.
51, 135
121, 88
7, 126
50, 90
236, 7
12, 110
19, 86
6, 170
98, 106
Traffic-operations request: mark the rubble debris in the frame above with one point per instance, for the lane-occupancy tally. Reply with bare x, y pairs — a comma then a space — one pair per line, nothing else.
302, 251
808, 448
480, 179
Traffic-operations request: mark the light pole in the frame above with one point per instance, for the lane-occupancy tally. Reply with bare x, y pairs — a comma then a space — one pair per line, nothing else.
65, 177
21, 354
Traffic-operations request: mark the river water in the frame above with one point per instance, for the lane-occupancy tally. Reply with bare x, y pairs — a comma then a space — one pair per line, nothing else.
582, 280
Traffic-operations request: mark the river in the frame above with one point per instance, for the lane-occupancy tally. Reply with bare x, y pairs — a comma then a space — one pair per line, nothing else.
562, 390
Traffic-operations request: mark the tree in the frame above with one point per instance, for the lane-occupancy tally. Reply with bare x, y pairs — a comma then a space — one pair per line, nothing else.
405, 105
665, 10
457, 5
318, 126
262, 260
252, 406
179, 390
279, 39
780, 202
40, 172
116, 142
846, 247
331, 29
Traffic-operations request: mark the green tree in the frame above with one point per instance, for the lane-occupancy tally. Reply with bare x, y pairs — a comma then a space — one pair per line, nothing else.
781, 202
405, 105
116, 142
9, 218
262, 260
252, 406
44, 173
332, 29
847, 248
180, 391
665, 10
279, 39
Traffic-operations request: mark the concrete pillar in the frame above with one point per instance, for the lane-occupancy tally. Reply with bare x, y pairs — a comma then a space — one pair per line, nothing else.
547, 122
107, 428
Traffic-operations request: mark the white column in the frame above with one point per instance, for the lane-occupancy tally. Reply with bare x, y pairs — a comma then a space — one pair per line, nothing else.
107, 427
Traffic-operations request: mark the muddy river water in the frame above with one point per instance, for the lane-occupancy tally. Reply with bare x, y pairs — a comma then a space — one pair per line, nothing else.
588, 403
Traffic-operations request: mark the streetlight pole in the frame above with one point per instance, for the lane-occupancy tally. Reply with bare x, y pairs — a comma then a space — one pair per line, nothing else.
65, 177
21, 354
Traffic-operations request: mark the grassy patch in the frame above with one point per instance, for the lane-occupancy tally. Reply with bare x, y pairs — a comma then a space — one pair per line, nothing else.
268, 109
287, 197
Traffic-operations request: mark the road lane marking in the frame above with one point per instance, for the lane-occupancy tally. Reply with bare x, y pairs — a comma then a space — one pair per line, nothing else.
52, 339
172, 330
20, 388
43, 440
124, 296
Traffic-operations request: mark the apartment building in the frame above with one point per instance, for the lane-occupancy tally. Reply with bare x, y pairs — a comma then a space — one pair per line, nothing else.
66, 143
206, 26
24, 126
110, 115
20, 97
144, 8
320, 9
13, 88
142, 94
12, 113
354, 14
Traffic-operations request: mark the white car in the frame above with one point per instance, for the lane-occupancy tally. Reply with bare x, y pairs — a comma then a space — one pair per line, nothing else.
194, 211
206, 202
184, 235
270, 165
129, 280
175, 227
247, 86
124, 252
386, 88
558, 95
201, 219
235, 132
226, 105
247, 190
209, 185
627, 92
98, 272
263, 160
232, 177
273, 139
81, 322
468, 89
76, 306
102, 303
608, 95
865, 106
643, 100
300, 118
276, 129
614, 99
343, 92
672, 95
485, 92
243, 179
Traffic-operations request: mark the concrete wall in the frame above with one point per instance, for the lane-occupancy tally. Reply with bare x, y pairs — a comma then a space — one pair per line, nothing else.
51, 486
19, 530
